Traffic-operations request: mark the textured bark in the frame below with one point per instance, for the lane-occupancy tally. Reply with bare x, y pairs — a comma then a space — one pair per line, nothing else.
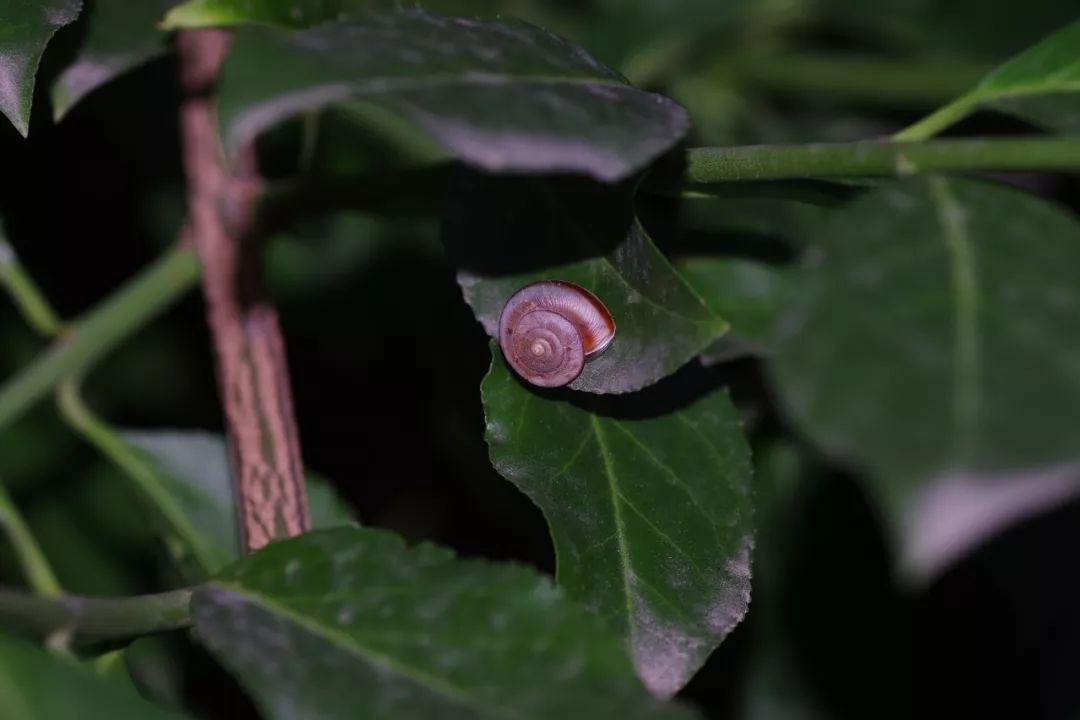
250, 352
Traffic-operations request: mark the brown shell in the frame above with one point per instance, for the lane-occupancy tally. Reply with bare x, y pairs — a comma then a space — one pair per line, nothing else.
549, 328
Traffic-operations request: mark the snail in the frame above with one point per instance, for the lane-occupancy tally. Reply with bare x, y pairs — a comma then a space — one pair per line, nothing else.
549, 328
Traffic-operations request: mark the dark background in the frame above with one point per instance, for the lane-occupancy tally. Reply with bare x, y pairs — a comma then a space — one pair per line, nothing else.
399, 428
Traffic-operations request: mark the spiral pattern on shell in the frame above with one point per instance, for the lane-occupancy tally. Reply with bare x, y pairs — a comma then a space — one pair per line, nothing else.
549, 328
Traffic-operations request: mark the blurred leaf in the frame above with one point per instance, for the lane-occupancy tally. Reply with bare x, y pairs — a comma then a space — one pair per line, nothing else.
627, 26
325, 252
504, 96
989, 29
120, 35
193, 468
651, 517
505, 234
776, 687
76, 540
332, 624
746, 293
25, 29
35, 685
955, 514
286, 13
155, 666
931, 337
300, 13
1041, 84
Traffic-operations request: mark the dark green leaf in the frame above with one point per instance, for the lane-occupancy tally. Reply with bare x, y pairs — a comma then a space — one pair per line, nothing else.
298, 13
193, 470
26, 26
746, 293
35, 685
504, 96
931, 338
947, 29
627, 30
349, 622
120, 35
651, 517
506, 234
1041, 84
287, 13
950, 516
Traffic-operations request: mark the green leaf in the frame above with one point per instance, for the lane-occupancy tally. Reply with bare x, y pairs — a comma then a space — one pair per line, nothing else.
650, 513
25, 30
951, 516
931, 338
35, 685
120, 35
349, 622
286, 13
504, 234
502, 95
1041, 84
947, 29
747, 293
193, 470
299, 13
632, 27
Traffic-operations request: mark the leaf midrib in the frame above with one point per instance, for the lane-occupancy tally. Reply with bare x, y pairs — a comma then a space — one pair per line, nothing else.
620, 527
371, 656
965, 292
469, 79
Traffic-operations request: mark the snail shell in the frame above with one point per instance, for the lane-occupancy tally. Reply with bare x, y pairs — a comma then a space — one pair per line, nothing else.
549, 328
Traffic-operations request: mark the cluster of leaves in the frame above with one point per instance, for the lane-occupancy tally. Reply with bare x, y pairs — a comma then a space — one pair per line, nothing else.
946, 290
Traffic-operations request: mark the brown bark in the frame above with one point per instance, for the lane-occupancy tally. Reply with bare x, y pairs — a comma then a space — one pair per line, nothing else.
252, 374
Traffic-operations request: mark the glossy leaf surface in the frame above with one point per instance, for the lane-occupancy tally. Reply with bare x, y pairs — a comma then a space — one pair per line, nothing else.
650, 511
26, 26
346, 622
502, 95
505, 234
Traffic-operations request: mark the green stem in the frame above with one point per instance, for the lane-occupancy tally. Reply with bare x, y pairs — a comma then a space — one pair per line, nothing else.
35, 309
102, 329
937, 121
39, 574
851, 77
133, 464
709, 166
94, 619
